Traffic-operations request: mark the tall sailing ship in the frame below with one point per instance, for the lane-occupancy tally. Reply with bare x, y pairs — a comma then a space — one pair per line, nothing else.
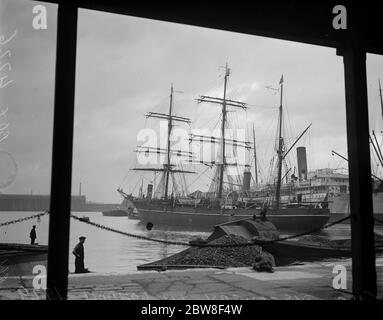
170, 211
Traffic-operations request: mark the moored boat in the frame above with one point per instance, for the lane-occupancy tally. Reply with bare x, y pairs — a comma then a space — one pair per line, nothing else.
288, 251
20, 259
302, 249
165, 216
126, 209
115, 213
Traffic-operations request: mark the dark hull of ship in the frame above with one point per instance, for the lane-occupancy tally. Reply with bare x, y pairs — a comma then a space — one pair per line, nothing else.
20, 259
287, 220
115, 213
121, 213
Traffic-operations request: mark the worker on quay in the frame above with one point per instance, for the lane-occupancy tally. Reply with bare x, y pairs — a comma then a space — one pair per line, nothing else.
78, 251
32, 235
263, 214
264, 262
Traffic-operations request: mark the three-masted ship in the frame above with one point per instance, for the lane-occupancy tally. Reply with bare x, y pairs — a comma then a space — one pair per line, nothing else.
201, 214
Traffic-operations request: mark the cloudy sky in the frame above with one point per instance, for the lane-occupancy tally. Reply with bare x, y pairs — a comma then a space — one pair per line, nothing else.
125, 67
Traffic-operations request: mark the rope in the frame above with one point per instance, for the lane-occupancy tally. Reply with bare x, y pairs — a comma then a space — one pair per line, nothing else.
379, 221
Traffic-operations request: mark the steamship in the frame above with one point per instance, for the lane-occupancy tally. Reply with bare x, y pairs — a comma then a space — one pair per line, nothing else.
221, 204
328, 186
325, 187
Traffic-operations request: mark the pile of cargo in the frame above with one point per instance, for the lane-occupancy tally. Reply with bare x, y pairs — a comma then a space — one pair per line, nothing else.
217, 256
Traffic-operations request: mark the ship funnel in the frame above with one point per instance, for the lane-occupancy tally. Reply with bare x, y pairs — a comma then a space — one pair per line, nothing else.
246, 181
302, 163
149, 192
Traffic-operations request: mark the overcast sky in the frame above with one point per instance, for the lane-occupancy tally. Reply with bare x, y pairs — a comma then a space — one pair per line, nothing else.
125, 66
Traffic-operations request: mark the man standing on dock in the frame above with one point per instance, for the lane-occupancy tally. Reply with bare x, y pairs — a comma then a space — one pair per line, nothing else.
78, 251
32, 235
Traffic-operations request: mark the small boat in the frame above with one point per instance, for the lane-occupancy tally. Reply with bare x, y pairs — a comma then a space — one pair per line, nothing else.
133, 214
126, 209
115, 213
20, 259
289, 251
307, 248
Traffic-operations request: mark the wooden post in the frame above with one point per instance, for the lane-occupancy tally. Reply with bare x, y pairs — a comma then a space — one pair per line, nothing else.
362, 223
61, 179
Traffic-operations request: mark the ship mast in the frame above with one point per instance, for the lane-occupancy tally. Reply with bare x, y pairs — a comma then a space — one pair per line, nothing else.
255, 159
376, 144
224, 102
381, 99
280, 155
170, 126
222, 166
167, 167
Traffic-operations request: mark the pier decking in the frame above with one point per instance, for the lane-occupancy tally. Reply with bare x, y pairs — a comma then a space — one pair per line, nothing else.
300, 282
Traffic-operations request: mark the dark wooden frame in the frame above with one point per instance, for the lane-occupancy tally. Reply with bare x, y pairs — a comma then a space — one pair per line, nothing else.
308, 22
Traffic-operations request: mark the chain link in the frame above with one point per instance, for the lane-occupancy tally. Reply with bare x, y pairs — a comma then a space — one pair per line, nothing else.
180, 243
129, 234
23, 219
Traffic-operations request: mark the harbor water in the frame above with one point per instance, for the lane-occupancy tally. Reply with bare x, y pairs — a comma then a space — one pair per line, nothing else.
105, 251
110, 252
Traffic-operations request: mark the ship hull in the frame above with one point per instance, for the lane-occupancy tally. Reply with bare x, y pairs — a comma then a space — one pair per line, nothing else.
20, 259
286, 220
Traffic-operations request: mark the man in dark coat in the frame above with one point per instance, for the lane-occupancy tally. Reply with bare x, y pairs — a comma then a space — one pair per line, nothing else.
32, 235
78, 251
264, 262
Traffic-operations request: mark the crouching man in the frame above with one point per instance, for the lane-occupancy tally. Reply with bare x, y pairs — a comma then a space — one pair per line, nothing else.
264, 262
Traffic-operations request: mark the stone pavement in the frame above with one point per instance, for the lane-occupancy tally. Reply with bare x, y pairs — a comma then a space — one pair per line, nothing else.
310, 281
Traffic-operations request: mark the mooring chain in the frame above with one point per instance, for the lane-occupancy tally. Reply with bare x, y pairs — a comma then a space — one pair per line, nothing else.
128, 234
206, 244
23, 219
177, 243
180, 243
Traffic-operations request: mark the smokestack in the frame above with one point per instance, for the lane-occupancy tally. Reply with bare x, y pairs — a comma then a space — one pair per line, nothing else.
246, 181
79, 190
149, 192
302, 163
